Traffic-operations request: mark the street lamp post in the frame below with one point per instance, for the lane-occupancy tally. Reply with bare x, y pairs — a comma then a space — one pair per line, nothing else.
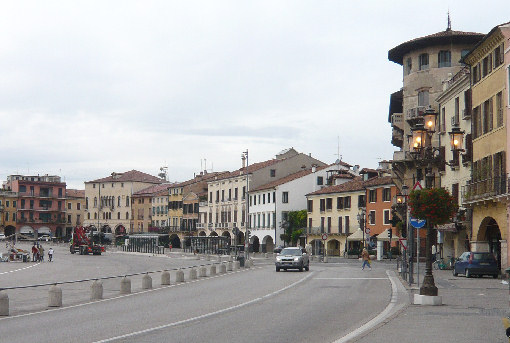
247, 233
425, 154
361, 221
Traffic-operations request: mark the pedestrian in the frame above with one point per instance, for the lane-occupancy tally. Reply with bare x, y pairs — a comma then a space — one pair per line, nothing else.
50, 254
41, 253
434, 253
170, 246
34, 253
366, 259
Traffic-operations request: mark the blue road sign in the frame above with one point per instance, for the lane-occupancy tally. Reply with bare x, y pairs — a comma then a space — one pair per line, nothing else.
418, 223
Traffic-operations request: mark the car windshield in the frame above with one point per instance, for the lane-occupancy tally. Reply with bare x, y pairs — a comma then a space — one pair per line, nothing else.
292, 252
483, 257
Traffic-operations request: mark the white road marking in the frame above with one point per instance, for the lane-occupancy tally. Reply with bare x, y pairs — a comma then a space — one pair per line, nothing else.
379, 318
17, 270
207, 315
351, 278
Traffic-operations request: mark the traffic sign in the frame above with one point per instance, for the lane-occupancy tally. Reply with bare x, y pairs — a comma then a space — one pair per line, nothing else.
324, 236
418, 223
417, 185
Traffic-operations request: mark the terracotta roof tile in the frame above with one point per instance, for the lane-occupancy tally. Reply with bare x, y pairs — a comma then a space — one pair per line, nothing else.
75, 193
130, 176
355, 184
153, 190
286, 179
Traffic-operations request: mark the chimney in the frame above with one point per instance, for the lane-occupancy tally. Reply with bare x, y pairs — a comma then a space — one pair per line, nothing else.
314, 168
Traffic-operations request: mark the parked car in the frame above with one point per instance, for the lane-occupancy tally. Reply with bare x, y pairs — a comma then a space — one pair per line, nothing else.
2, 236
476, 263
292, 258
278, 249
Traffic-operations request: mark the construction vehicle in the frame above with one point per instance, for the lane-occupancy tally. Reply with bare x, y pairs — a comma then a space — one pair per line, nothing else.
82, 244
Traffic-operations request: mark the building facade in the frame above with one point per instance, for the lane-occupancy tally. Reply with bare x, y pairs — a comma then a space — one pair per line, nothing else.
8, 203
75, 210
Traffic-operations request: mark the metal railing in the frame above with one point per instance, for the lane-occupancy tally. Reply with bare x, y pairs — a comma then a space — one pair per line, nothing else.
486, 188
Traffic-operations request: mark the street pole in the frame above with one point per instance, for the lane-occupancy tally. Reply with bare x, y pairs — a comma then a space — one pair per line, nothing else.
247, 233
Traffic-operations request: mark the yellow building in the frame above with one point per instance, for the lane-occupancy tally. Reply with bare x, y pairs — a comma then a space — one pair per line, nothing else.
8, 202
332, 214
75, 209
486, 193
142, 205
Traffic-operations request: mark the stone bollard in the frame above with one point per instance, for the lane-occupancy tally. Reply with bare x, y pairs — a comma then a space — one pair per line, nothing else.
219, 258
237, 265
229, 266
125, 285
325, 259
212, 271
179, 276
202, 272
96, 290
223, 268
147, 282
192, 274
55, 296
247, 264
266, 255
4, 303
230, 258
207, 257
165, 278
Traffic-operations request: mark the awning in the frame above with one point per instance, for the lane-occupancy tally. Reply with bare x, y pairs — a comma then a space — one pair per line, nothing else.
383, 236
26, 229
356, 236
44, 229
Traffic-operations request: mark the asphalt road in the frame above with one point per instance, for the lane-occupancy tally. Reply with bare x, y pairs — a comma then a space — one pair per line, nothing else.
250, 305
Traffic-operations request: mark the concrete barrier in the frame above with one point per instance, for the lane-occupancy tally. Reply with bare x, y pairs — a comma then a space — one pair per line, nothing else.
247, 264
237, 265
207, 257
179, 276
4, 303
146, 282
96, 290
223, 268
266, 255
192, 274
230, 266
212, 271
55, 296
165, 278
125, 285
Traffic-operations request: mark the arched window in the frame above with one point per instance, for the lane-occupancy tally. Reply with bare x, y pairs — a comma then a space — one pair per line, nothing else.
127, 215
127, 201
87, 203
118, 201
88, 215
95, 201
118, 215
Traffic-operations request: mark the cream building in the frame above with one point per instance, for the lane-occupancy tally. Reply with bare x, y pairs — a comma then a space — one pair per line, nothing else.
75, 210
108, 200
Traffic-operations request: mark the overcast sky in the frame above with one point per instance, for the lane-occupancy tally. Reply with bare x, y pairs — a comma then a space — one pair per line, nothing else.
92, 87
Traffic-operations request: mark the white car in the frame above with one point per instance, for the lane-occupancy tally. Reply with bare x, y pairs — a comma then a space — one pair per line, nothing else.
2, 236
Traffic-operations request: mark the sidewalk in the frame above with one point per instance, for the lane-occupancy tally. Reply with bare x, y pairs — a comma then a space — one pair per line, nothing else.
471, 312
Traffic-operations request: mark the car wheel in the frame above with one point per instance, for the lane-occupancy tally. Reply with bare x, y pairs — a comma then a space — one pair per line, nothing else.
277, 269
307, 268
454, 272
301, 268
467, 273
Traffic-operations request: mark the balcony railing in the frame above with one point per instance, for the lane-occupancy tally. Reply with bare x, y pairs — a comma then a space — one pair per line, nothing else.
415, 113
484, 189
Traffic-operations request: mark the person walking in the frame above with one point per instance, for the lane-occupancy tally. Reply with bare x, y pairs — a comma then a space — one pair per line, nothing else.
50, 255
34, 253
366, 259
41, 253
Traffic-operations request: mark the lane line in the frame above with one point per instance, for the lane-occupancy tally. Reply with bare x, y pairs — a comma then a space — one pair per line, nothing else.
207, 315
380, 317
17, 270
351, 278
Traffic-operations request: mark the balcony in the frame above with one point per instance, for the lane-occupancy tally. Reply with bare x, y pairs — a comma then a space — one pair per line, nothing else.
415, 113
485, 190
397, 120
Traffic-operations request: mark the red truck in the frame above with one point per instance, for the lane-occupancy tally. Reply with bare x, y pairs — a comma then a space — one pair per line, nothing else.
82, 244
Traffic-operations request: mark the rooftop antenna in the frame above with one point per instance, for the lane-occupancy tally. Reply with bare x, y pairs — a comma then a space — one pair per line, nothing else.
449, 28
338, 156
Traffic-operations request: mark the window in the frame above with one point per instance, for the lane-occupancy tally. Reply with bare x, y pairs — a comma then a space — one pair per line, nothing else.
310, 205
118, 201
339, 203
372, 195
309, 222
93, 185
442, 120
127, 215
222, 195
498, 56
329, 204
118, 215
127, 201
499, 109
68, 218
386, 214
423, 98
339, 224
347, 202
464, 52
329, 224
263, 198
346, 224
272, 172
322, 224
210, 196
78, 206
409, 66
320, 180
386, 194
486, 65
274, 197
229, 194
322, 205
444, 59
268, 198
423, 60
475, 73
361, 200
69, 206
371, 217
235, 193
487, 117
285, 197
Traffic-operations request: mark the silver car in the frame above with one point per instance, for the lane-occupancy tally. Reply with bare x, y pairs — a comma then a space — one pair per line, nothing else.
292, 258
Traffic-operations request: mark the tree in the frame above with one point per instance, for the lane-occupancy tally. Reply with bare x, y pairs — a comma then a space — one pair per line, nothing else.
296, 221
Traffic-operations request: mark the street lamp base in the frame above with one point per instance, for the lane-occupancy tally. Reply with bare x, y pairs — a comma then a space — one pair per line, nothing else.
428, 288
428, 300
